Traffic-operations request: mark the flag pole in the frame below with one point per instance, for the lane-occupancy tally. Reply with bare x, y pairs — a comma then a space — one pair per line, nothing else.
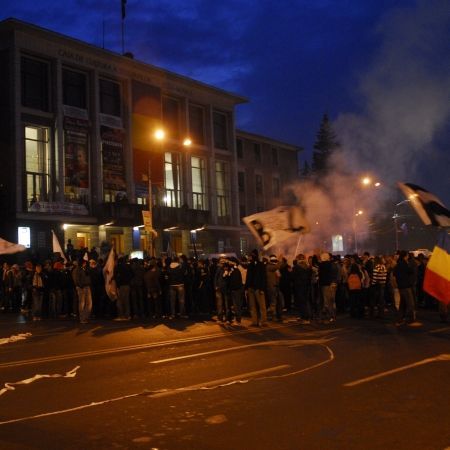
124, 2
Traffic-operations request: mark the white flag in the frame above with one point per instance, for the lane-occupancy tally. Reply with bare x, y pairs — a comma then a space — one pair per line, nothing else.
57, 247
277, 225
7, 248
108, 273
429, 208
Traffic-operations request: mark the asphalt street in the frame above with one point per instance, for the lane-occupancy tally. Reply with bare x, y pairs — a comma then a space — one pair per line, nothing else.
355, 384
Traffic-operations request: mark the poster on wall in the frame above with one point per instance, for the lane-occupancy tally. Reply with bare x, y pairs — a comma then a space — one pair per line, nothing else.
76, 158
113, 159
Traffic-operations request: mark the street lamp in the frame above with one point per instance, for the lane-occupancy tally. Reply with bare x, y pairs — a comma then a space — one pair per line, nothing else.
365, 182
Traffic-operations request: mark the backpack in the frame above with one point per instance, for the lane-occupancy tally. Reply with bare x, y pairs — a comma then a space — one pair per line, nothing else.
354, 282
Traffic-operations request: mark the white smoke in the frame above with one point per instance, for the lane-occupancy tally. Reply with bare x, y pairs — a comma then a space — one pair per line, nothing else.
406, 98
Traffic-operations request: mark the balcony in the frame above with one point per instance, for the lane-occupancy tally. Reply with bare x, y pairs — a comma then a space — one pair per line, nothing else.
125, 214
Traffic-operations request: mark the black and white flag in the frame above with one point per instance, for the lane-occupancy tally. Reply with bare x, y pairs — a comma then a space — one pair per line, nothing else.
429, 208
277, 225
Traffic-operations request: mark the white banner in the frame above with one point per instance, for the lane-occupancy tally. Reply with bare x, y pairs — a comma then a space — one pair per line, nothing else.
277, 225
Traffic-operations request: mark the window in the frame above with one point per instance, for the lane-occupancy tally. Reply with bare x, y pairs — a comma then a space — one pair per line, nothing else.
197, 124
241, 181
258, 184
257, 152
239, 148
198, 171
274, 156
276, 187
172, 180
171, 117
74, 89
110, 98
37, 164
220, 130
35, 84
222, 190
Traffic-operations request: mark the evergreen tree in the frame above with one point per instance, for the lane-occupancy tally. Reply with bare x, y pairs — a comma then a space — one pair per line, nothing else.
326, 143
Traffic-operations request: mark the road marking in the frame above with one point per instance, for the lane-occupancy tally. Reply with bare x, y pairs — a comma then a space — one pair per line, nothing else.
288, 342
146, 346
160, 393
438, 330
443, 357
222, 382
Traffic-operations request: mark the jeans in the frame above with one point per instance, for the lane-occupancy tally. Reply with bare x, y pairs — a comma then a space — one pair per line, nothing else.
237, 298
257, 304
84, 303
177, 292
223, 305
123, 301
407, 306
275, 302
36, 307
329, 306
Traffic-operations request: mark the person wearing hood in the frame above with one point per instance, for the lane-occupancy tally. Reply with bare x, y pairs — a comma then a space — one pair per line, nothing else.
273, 276
255, 286
177, 277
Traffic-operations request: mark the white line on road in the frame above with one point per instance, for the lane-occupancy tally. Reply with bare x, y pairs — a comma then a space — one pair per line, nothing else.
443, 357
288, 342
160, 393
439, 330
145, 346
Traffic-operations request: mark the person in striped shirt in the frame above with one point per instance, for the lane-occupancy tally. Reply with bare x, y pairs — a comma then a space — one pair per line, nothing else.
377, 297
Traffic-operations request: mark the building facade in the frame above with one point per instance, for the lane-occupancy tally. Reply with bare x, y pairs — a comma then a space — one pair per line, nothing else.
79, 154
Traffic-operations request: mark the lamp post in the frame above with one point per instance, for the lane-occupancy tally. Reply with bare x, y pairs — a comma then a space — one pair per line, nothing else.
395, 217
365, 182
159, 135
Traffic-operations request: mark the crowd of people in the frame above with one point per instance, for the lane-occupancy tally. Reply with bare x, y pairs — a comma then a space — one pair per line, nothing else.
264, 288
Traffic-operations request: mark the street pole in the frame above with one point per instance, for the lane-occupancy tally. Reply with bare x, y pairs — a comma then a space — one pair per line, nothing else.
150, 233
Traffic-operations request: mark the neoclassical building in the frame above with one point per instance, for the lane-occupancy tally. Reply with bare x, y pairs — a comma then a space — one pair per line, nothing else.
90, 139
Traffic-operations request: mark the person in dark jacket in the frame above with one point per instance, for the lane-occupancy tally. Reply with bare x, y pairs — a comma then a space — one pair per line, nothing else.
153, 289
123, 275
404, 277
82, 280
137, 288
177, 278
301, 276
327, 278
255, 285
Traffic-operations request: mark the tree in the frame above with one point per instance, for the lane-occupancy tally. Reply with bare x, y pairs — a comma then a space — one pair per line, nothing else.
326, 143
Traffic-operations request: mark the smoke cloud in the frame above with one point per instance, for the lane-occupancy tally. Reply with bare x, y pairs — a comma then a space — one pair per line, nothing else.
405, 104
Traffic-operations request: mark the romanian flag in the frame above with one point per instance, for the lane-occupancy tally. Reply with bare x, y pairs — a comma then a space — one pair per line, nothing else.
437, 274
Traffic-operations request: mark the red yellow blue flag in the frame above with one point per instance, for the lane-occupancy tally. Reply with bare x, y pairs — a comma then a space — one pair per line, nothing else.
437, 274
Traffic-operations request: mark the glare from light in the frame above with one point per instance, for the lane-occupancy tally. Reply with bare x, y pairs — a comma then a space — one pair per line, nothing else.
65, 226
160, 134
366, 181
187, 142
377, 184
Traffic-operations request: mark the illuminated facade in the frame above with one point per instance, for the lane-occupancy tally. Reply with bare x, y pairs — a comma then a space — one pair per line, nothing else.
78, 150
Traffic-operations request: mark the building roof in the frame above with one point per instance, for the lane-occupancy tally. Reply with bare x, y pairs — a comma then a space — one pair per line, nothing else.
268, 140
13, 24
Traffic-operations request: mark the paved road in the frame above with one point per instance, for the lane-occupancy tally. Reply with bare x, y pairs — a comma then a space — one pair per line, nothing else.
200, 386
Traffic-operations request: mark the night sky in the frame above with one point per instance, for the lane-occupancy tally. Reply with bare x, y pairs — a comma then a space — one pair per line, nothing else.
379, 68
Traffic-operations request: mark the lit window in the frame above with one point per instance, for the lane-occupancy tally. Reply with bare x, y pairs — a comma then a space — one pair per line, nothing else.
198, 170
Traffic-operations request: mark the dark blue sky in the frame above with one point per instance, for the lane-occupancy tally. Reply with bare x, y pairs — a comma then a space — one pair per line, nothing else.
293, 59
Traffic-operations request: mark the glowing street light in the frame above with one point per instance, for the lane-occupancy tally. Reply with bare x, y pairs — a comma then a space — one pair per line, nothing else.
160, 134
187, 142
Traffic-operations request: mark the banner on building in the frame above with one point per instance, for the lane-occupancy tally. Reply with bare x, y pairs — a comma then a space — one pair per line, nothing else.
76, 158
114, 178
275, 226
